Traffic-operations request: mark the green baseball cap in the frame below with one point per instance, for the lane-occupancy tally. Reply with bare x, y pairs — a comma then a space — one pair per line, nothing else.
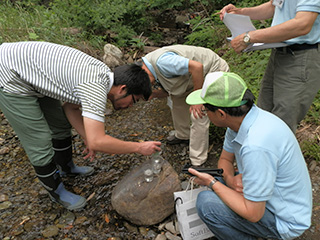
221, 89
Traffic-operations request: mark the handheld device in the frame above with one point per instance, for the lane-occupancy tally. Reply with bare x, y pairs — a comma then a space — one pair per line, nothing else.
212, 171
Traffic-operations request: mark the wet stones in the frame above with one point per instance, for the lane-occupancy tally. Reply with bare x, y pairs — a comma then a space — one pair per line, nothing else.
50, 231
5, 205
144, 203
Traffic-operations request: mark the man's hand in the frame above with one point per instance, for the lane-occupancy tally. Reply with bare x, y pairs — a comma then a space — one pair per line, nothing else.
148, 148
230, 8
238, 44
197, 111
201, 178
89, 154
235, 183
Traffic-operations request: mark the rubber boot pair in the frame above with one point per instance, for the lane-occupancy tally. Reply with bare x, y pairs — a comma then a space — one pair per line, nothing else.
63, 159
50, 179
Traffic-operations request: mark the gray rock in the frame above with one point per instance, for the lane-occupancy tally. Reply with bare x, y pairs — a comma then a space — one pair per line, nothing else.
130, 227
170, 236
5, 205
3, 198
151, 234
171, 228
66, 219
113, 56
50, 231
312, 165
112, 61
161, 237
143, 231
146, 203
113, 50
162, 226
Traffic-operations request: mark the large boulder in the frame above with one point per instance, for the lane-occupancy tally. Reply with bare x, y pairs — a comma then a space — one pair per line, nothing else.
146, 203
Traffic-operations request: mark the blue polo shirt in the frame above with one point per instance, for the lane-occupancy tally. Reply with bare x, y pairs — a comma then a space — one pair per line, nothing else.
274, 170
170, 65
288, 11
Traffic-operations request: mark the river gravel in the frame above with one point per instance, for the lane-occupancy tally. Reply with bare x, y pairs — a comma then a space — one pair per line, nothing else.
26, 211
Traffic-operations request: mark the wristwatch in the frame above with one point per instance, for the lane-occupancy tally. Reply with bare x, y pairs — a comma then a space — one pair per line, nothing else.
212, 183
246, 38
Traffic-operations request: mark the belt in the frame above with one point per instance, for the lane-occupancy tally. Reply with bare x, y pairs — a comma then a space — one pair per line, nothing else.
298, 47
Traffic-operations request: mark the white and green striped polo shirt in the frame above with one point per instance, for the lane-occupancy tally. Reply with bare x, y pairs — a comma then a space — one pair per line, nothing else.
56, 71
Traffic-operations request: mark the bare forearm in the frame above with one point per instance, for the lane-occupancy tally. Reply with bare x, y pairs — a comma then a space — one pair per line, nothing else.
298, 26
74, 116
252, 211
98, 141
196, 70
261, 12
228, 169
111, 145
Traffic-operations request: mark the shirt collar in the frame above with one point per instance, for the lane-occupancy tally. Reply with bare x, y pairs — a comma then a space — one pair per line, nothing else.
151, 69
246, 124
111, 77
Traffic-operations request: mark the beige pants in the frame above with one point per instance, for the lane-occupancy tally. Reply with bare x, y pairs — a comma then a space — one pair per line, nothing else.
198, 132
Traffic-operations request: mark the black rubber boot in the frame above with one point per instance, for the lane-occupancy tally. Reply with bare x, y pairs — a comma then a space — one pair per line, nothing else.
50, 179
63, 159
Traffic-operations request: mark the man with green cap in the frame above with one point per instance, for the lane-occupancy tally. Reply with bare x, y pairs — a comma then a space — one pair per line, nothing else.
270, 195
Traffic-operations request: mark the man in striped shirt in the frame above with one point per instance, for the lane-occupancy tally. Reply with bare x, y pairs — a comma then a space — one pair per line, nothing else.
36, 78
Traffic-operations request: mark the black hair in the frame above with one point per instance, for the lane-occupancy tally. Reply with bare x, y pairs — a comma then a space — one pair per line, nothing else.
135, 78
235, 111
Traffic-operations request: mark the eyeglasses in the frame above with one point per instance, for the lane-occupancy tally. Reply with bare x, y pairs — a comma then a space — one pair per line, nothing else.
133, 99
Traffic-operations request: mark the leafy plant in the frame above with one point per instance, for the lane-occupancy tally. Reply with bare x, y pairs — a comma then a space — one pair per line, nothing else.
313, 115
206, 32
311, 149
165, 4
138, 43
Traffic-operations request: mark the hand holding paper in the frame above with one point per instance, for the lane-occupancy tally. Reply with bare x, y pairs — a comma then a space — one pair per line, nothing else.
238, 24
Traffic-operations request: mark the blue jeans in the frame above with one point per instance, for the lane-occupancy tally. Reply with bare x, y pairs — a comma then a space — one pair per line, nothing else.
226, 224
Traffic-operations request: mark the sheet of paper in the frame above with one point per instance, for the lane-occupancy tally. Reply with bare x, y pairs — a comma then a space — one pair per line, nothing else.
238, 24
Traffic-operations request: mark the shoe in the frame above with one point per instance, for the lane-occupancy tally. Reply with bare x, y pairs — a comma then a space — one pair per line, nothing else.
67, 199
51, 181
74, 170
63, 158
172, 140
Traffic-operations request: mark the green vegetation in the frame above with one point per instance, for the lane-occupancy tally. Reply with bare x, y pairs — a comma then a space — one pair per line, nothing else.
90, 24
93, 21
311, 148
